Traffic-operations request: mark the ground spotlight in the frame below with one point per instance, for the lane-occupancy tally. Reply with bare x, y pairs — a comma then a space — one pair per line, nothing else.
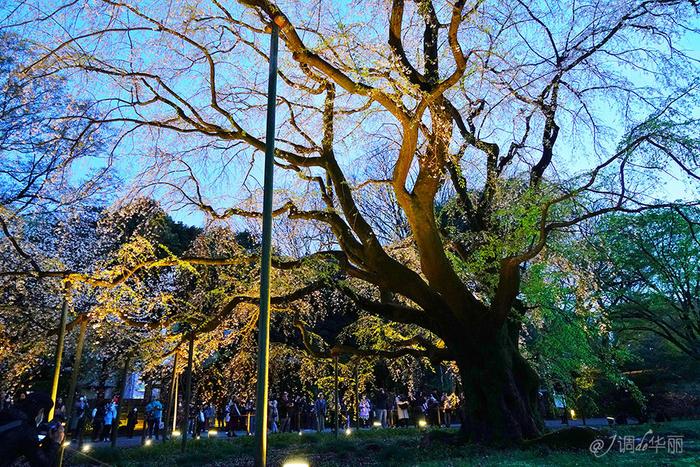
176, 432
422, 423
376, 424
86, 447
212, 433
296, 463
148, 442
348, 431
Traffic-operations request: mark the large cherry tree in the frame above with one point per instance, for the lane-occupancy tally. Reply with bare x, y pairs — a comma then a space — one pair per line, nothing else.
531, 115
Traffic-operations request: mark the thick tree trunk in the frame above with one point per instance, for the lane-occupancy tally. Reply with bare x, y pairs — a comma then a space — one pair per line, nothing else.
500, 389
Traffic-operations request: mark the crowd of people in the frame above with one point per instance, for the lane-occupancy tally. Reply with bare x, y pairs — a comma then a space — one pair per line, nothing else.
403, 410
286, 413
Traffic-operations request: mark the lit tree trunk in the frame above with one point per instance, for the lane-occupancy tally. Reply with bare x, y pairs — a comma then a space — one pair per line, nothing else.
500, 388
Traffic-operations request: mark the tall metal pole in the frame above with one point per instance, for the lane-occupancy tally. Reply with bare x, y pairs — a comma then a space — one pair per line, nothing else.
188, 394
59, 347
76, 366
264, 318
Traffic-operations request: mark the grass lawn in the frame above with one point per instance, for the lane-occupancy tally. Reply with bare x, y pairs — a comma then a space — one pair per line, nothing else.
395, 447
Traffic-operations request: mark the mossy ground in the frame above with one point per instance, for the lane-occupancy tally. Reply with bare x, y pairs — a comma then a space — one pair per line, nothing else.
394, 447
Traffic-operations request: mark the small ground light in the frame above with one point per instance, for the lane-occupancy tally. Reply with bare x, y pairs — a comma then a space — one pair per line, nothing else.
376, 424
422, 423
348, 431
295, 464
148, 442
213, 433
66, 444
301, 433
573, 414
86, 447
176, 432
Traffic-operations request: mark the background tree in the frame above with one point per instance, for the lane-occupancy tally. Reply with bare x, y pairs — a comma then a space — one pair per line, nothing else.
647, 268
40, 147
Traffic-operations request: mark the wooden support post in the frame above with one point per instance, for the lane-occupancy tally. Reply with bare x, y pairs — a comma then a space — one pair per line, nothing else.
122, 396
357, 399
59, 347
337, 400
171, 394
176, 398
188, 393
76, 366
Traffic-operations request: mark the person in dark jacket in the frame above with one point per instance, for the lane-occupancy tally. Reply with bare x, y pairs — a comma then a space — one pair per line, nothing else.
98, 421
131, 420
19, 434
381, 405
80, 409
320, 408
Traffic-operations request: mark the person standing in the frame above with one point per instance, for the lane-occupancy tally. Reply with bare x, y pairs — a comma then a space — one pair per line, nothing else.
402, 411
294, 414
303, 410
200, 422
59, 412
560, 404
154, 413
19, 436
98, 421
209, 416
320, 407
432, 409
220, 416
365, 407
131, 420
234, 416
79, 416
273, 414
451, 404
110, 414
381, 405
284, 406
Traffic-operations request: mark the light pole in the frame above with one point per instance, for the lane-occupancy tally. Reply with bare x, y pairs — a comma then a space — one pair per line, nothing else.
264, 317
